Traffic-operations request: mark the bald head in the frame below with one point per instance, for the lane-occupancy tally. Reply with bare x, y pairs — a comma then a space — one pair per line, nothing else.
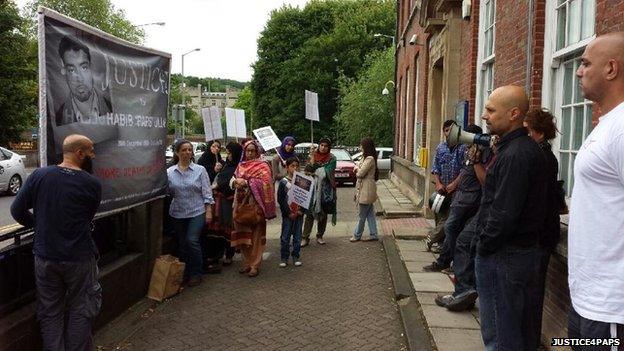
601, 73
76, 142
512, 96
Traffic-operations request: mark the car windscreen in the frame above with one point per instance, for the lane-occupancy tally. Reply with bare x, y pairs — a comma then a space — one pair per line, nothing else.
341, 154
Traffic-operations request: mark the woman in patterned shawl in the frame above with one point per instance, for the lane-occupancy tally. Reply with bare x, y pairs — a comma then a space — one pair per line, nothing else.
253, 182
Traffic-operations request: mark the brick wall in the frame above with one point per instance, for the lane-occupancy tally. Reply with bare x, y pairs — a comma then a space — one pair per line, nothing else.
510, 42
609, 16
469, 52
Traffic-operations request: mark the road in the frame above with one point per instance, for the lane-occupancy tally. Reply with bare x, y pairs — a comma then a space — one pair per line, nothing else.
6, 221
340, 299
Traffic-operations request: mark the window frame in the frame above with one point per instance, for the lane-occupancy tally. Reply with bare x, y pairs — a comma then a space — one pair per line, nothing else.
485, 64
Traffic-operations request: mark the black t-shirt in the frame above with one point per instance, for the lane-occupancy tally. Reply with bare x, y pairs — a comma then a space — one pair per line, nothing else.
64, 202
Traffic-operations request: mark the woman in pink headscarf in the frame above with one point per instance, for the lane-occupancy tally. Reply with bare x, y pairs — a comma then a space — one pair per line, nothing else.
253, 182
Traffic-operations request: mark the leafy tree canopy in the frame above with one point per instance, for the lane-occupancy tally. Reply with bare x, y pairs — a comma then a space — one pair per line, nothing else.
314, 48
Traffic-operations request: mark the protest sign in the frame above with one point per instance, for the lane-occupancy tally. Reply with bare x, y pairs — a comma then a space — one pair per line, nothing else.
301, 190
235, 123
212, 123
311, 106
267, 138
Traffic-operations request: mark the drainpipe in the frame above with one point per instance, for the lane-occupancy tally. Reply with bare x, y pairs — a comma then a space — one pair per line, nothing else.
529, 52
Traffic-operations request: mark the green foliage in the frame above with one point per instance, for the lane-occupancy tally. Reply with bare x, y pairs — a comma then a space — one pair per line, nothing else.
18, 75
364, 111
101, 14
314, 48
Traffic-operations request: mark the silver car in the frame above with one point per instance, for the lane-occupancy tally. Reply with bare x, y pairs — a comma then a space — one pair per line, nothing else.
12, 172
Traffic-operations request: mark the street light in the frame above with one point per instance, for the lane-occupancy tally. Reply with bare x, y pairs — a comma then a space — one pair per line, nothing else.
150, 24
385, 90
182, 92
378, 35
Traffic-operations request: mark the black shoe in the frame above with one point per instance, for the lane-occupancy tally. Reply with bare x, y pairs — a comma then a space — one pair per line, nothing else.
435, 267
443, 300
463, 302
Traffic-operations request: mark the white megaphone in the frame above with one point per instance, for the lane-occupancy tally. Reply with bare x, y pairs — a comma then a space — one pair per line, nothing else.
459, 136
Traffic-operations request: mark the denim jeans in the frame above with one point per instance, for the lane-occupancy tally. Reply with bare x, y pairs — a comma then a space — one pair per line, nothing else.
458, 216
464, 256
188, 231
506, 282
290, 229
68, 298
366, 214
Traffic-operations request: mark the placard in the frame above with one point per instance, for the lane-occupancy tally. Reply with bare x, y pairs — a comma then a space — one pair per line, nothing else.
212, 123
267, 138
301, 190
235, 123
311, 103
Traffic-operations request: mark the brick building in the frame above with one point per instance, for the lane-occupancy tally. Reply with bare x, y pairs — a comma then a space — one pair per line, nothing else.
451, 54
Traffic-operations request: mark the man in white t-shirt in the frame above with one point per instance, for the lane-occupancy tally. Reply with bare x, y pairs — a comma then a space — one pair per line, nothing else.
596, 229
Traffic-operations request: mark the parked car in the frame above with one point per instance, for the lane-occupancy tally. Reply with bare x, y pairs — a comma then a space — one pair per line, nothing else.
198, 150
383, 158
345, 167
302, 150
12, 171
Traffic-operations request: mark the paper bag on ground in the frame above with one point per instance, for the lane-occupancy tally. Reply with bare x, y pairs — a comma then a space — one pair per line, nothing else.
166, 278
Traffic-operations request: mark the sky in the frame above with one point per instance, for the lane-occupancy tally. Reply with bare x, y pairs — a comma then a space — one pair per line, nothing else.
226, 31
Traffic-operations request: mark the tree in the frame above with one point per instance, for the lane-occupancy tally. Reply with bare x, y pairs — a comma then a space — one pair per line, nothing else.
314, 48
101, 14
364, 111
18, 75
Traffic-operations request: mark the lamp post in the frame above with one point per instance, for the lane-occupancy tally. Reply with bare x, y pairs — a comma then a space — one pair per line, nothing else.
378, 35
150, 24
385, 90
182, 91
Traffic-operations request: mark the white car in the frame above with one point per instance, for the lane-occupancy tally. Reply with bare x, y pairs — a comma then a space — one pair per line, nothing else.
383, 158
12, 171
198, 148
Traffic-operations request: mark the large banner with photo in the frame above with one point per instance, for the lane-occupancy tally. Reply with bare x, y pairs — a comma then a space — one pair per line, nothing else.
114, 92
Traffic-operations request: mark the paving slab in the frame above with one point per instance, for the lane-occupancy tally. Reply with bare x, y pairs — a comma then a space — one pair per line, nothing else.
428, 298
411, 233
417, 256
431, 282
415, 245
457, 339
437, 316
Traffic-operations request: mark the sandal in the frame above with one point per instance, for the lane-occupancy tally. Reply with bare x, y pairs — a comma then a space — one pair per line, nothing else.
253, 272
244, 270
354, 239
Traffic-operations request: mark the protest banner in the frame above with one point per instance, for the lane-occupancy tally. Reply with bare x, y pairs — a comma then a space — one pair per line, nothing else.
112, 91
301, 190
212, 123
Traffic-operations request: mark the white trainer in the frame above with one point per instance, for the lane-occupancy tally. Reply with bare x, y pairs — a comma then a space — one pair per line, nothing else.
283, 264
298, 263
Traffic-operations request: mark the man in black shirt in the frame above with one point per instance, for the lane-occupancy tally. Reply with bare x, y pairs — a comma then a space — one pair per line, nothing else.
64, 200
509, 223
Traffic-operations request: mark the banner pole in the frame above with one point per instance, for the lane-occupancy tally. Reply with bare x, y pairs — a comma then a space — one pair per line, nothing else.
311, 131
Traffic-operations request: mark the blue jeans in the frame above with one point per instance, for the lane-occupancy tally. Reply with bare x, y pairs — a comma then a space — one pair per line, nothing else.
506, 283
291, 228
367, 213
188, 231
69, 297
454, 224
463, 259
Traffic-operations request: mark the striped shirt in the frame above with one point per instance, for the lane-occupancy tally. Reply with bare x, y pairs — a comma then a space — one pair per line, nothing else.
190, 190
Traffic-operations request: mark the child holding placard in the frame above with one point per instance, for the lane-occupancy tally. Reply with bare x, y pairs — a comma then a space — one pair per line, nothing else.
292, 216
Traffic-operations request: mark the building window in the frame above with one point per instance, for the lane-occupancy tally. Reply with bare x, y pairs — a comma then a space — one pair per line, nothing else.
408, 93
564, 42
575, 116
575, 21
485, 73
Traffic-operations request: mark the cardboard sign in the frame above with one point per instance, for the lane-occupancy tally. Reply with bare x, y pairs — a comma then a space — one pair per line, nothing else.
212, 123
301, 190
311, 103
235, 123
267, 138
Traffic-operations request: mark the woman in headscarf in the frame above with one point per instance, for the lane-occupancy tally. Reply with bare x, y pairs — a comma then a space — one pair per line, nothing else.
278, 163
254, 203
211, 159
324, 196
220, 230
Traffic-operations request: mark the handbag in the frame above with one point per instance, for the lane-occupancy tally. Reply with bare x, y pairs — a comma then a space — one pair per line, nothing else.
247, 212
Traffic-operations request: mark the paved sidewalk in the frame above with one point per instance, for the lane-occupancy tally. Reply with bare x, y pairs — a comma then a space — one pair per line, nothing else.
340, 299
450, 331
